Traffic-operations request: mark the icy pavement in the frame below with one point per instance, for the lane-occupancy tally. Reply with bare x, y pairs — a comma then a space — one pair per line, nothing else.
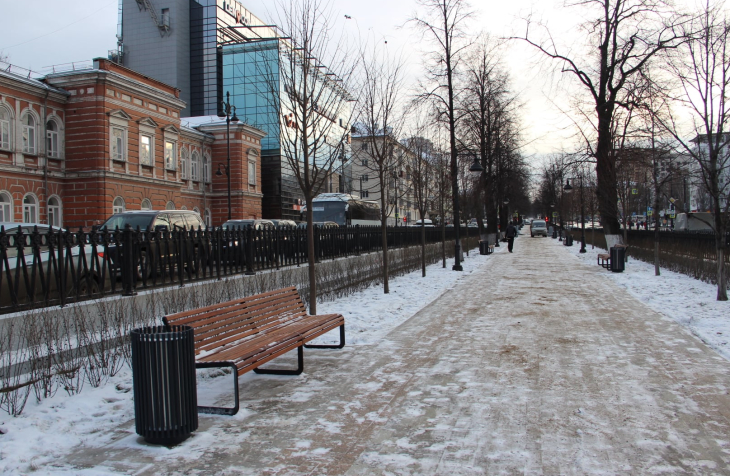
529, 363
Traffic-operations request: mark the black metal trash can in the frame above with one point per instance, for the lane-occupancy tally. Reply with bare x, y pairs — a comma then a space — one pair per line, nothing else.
165, 390
483, 247
618, 258
568, 240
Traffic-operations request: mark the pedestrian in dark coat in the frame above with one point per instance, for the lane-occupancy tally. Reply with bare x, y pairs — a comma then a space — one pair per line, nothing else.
510, 234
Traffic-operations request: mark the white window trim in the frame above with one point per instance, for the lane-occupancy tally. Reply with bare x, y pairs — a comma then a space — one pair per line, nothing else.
34, 206
195, 163
119, 120
147, 128
150, 162
184, 163
29, 147
253, 157
206, 168
8, 207
142, 205
58, 208
171, 164
7, 144
117, 208
59, 137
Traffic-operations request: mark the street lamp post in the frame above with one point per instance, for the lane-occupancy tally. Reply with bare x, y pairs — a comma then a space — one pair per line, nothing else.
567, 189
225, 112
476, 170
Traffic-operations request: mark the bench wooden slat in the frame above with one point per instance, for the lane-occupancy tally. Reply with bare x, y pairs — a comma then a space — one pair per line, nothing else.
246, 322
181, 315
298, 332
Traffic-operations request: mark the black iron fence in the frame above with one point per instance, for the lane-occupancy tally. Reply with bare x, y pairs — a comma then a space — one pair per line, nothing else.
55, 268
690, 253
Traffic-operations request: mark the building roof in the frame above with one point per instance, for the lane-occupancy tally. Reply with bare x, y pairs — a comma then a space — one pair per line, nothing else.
23, 76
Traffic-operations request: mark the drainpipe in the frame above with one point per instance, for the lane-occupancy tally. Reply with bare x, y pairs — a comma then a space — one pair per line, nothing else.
45, 154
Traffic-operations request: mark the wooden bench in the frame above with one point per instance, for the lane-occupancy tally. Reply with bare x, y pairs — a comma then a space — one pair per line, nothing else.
604, 259
246, 333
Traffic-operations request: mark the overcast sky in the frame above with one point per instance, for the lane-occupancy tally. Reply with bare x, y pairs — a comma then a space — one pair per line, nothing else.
55, 32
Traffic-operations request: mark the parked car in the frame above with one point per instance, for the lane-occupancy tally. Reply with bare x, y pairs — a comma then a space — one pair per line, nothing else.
426, 223
284, 223
257, 224
163, 221
538, 227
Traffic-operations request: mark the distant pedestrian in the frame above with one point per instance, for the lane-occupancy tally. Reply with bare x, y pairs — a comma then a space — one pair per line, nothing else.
510, 234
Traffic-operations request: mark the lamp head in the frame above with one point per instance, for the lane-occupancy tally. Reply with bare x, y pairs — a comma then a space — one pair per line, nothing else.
234, 119
476, 168
567, 187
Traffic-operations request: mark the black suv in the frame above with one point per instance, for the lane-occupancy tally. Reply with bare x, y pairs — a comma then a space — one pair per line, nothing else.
149, 251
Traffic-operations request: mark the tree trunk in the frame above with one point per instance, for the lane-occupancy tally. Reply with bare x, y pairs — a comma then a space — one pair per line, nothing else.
423, 248
384, 233
720, 234
606, 177
312, 272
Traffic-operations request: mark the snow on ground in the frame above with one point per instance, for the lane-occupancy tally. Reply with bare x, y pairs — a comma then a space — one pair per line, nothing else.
690, 302
50, 429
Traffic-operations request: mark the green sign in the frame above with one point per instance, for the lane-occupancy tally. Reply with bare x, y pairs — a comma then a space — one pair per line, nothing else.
634, 191
649, 213
555, 214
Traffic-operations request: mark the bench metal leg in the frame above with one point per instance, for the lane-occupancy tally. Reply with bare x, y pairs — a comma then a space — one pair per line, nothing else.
299, 370
221, 410
341, 344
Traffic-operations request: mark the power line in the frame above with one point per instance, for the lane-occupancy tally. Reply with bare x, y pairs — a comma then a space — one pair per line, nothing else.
56, 31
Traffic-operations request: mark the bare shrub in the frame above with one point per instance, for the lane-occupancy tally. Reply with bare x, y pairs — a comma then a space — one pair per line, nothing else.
15, 385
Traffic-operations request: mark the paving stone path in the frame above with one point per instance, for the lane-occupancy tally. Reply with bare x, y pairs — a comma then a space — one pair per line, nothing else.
533, 364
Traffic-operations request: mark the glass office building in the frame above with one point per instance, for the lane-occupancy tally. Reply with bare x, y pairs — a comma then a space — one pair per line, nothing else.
206, 48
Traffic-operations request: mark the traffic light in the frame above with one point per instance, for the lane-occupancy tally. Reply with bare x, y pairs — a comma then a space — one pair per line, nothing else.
404, 219
547, 219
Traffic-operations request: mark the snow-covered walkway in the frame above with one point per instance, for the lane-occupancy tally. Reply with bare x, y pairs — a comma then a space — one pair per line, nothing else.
534, 363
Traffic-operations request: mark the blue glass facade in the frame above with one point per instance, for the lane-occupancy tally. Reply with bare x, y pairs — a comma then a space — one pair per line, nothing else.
251, 75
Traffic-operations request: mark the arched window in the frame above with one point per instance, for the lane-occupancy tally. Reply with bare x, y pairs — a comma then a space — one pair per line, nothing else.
196, 210
30, 209
184, 159
54, 212
206, 169
118, 205
52, 149
184, 207
29, 135
6, 207
146, 204
194, 166
170, 205
5, 128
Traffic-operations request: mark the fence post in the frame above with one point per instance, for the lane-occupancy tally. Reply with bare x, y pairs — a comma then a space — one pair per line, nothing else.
128, 261
249, 250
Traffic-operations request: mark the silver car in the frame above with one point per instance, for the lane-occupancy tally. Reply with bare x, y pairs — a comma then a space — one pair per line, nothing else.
538, 227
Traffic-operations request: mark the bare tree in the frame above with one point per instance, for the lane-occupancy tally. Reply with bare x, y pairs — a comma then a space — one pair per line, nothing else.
443, 22
306, 86
486, 105
422, 177
381, 119
623, 36
702, 68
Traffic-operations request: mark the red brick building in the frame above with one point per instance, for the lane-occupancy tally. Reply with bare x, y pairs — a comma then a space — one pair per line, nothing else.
77, 146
